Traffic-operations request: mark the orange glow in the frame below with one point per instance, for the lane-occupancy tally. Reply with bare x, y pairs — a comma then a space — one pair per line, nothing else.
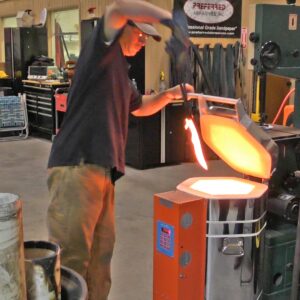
236, 146
222, 187
189, 124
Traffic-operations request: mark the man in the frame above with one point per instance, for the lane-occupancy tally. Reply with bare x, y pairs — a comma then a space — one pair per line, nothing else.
88, 154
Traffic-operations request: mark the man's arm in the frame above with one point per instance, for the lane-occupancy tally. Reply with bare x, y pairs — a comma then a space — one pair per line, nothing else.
153, 103
120, 11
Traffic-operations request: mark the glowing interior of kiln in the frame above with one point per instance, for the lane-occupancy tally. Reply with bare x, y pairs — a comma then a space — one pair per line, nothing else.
226, 186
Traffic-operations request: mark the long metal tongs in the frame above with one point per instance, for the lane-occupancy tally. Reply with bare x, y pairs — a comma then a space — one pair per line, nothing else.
187, 108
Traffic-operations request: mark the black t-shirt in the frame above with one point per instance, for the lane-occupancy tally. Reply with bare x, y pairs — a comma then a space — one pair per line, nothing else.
95, 126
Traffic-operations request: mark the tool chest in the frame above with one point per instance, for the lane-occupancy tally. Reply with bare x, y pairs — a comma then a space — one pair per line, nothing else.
41, 104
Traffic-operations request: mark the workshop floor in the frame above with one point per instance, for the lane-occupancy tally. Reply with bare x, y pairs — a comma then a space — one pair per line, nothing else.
23, 172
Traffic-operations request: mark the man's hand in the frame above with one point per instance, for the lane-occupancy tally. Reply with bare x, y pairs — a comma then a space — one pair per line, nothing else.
175, 93
153, 103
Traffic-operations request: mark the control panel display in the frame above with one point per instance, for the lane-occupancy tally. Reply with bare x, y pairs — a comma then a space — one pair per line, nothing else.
165, 239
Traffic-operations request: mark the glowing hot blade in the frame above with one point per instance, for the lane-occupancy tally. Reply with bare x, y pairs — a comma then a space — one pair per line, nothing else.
189, 124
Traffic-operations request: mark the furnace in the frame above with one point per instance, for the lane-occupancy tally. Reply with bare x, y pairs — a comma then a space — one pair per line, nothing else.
209, 233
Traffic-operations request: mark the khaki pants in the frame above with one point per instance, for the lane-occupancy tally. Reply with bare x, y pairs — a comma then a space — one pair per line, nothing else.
81, 220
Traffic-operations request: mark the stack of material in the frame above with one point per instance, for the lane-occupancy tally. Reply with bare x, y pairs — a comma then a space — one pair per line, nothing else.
13, 117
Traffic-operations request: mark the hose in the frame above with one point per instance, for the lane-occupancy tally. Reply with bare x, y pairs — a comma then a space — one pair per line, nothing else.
282, 105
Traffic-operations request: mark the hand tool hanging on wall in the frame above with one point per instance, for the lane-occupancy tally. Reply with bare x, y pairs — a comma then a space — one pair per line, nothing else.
223, 70
220, 68
207, 66
204, 71
216, 68
240, 76
236, 61
223, 74
230, 78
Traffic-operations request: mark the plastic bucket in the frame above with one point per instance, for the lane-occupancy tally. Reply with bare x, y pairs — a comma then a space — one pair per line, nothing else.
73, 286
42, 265
12, 271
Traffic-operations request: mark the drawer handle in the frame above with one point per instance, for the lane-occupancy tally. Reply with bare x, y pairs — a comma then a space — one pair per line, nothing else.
30, 105
46, 115
44, 103
45, 98
37, 87
44, 108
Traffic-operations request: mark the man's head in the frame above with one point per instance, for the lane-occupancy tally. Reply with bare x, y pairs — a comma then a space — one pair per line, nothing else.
135, 35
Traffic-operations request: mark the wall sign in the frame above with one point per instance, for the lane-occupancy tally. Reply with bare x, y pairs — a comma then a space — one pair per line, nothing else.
212, 18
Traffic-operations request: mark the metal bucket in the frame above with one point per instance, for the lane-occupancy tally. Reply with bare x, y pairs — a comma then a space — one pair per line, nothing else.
73, 286
235, 243
12, 271
42, 264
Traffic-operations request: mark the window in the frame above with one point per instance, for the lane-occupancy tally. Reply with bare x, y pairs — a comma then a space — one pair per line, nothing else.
7, 22
10, 22
66, 43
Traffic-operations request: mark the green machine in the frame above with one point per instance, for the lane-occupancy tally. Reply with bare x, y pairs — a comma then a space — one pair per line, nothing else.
279, 251
277, 51
277, 45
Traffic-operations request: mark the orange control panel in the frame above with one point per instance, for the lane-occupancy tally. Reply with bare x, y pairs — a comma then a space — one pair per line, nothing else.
179, 246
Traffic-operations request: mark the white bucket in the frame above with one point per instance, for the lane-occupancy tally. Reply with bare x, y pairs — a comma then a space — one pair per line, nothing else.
12, 269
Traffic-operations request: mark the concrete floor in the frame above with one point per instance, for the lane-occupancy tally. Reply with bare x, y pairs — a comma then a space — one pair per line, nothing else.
23, 172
